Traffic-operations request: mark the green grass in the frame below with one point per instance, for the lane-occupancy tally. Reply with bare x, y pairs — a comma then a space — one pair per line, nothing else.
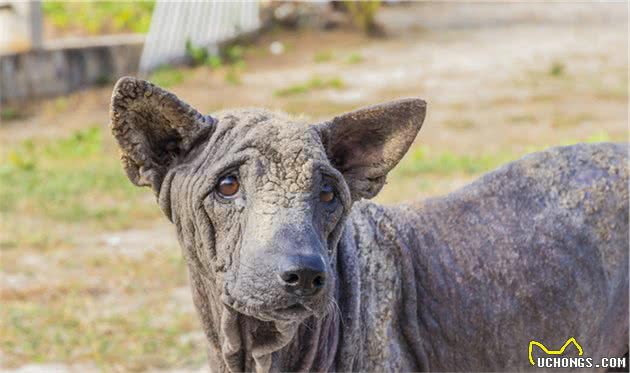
423, 160
73, 180
10, 113
557, 69
231, 54
117, 316
233, 76
323, 56
167, 76
354, 59
314, 84
92, 306
99, 17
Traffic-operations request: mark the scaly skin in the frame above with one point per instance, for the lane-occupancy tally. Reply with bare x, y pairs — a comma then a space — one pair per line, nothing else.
537, 250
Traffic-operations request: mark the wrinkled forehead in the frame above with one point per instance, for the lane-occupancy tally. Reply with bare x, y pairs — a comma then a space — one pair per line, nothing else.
283, 145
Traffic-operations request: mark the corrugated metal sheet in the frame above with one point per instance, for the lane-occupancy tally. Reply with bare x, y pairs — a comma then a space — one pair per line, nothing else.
203, 23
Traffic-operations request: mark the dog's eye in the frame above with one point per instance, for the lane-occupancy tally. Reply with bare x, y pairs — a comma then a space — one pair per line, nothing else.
327, 193
228, 186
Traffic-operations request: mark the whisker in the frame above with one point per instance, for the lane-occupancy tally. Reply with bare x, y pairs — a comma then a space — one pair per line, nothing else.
337, 310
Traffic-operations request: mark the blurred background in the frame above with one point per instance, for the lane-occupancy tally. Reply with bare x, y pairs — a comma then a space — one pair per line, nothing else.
91, 274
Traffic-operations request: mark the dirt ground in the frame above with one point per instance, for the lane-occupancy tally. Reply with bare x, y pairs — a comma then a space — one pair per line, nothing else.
500, 81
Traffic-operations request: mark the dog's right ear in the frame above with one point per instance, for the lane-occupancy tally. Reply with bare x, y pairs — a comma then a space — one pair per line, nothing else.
153, 128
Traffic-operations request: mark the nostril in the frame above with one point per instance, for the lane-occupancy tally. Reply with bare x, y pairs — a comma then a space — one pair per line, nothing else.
319, 281
290, 278
293, 278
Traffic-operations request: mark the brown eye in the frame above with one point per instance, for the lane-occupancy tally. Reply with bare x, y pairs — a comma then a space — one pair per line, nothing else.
327, 193
228, 186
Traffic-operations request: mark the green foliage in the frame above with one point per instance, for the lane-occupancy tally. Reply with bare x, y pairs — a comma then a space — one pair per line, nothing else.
69, 179
99, 17
201, 56
233, 53
214, 61
315, 83
167, 76
363, 14
198, 55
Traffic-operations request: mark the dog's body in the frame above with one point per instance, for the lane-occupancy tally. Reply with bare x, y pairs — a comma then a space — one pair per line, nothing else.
537, 250
287, 275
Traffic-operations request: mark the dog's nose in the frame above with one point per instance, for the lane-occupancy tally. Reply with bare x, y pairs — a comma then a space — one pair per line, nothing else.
303, 275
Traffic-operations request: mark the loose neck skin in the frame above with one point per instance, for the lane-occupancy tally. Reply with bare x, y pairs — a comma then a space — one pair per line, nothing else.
238, 342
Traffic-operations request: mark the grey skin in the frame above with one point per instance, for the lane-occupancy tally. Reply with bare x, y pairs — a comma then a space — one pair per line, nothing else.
537, 249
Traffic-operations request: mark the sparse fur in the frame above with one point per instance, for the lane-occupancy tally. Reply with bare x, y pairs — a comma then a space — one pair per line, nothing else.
537, 249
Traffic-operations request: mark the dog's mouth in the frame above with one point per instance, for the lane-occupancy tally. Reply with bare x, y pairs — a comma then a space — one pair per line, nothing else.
292, 312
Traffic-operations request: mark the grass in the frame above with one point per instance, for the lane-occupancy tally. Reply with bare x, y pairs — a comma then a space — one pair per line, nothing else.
233, 76
316, 83
98, 17
10, 113
74, 179
323, 56
422, 160
557, 69
167, 76
231, 56
117, 316
83, 304
355, 58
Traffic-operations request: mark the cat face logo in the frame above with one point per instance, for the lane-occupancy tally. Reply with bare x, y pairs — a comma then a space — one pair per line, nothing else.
553, 352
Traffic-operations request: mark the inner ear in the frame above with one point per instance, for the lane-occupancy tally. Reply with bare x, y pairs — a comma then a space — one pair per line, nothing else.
356, 150
364, 145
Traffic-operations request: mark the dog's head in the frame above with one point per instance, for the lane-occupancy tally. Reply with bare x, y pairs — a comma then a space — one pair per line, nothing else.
258, 198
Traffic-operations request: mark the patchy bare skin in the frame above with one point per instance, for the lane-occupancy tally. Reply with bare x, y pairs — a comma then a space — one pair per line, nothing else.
535, 250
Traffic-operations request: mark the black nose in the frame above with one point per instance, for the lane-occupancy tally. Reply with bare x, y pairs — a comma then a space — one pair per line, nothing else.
303, 275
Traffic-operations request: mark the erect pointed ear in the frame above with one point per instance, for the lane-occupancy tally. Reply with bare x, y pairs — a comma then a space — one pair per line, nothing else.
153, 129
364, 145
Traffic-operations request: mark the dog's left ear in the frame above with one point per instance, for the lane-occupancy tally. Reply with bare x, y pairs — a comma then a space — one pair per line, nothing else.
364, 145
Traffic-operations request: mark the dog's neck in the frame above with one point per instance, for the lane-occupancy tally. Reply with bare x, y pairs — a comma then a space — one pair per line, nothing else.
240, 343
